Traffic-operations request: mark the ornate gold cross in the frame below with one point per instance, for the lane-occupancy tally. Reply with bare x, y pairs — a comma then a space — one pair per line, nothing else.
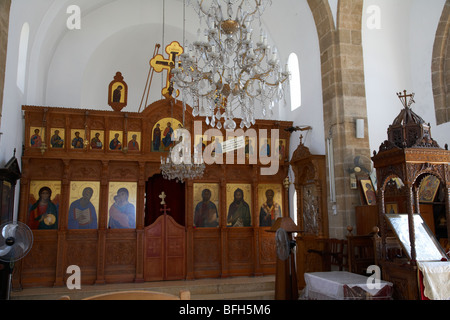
163, 196
159, 64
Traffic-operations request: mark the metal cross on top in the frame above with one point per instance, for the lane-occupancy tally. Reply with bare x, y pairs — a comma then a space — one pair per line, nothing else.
404, 98
159, 64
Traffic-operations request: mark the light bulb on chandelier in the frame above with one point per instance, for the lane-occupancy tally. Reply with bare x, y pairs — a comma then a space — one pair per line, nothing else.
224, 72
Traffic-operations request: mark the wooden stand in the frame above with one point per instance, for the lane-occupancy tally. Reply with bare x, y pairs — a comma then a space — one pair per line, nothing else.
312, 210
409, 154
286, 287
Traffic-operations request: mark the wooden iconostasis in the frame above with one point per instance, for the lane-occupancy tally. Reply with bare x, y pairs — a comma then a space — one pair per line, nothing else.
91, 186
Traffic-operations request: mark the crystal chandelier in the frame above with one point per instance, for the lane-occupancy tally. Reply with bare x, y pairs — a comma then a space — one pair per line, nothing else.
185, 170
179, 165
224, 71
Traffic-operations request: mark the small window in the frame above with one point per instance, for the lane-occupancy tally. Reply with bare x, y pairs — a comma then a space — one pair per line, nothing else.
23, 52
295, 85
294, 207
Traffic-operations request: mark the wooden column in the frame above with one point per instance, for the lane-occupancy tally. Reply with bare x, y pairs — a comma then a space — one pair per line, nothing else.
62, 225
189, 233
140, 217
412, 238
102, 224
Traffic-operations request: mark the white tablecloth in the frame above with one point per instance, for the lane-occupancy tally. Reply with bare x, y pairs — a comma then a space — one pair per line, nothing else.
436, 279
342, 285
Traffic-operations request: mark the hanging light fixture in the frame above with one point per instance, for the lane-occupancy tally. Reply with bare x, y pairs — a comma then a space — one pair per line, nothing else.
176, 166
224, 72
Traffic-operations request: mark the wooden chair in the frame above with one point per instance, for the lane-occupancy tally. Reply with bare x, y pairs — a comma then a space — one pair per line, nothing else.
361, 251
137, 295
333, 254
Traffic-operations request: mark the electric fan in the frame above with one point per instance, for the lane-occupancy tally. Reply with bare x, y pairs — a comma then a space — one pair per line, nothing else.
16, 240
285, 281
283, 244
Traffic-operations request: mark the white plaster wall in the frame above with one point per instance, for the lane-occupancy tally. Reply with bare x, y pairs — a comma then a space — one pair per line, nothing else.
422, 35
397, 57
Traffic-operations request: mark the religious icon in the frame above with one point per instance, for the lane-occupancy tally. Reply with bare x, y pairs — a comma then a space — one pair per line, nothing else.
115, 140
369, 192
36, 137
162, 134
391, 207
280, 148
57, 139
134, 142
264, 148
270, 204
118, 93
77, 141
239, 203
44, 205
428, 189
97, 140
122, 205
206, 204
84, 204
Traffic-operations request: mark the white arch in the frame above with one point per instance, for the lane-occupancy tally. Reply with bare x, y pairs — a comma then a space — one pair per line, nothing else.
23, 56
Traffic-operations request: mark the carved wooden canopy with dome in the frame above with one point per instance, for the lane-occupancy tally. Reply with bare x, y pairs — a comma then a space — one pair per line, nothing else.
411, 154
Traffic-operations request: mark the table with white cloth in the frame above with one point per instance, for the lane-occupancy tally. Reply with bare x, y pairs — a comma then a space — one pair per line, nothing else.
342, 285
436, 279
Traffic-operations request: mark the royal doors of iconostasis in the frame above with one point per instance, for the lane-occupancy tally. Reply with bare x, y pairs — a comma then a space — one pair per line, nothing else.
165, 235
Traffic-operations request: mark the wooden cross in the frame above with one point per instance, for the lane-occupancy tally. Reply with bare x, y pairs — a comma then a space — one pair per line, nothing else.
163, 196
159, 64
165, 210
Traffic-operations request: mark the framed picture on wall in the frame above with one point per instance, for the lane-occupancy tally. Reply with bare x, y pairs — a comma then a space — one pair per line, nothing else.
118, 93
206, 205
122, 205
37, 137
97, 139
115, 140
162, 134
391, 207
57, 138
269, 204
369, 192
44, 201
239, 203
77, 137
134, 141
84, 205
428, 189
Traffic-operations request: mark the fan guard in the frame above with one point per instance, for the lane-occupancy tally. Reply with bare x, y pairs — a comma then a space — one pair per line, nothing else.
16, 240
283, 244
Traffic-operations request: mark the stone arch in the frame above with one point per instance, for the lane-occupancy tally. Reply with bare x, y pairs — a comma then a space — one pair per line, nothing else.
344, 97
441, 67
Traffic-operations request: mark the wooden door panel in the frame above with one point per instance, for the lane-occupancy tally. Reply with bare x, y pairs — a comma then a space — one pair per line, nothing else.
165, 247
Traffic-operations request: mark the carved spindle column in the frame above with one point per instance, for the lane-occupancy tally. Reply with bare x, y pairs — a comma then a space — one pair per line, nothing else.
382, 221
140, 224
410, 209
447, 208
416, 199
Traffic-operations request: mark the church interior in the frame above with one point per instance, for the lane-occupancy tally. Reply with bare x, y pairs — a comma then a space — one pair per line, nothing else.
149, 144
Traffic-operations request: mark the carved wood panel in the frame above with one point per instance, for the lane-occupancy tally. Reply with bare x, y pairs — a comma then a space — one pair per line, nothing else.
165, 247
108, 256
